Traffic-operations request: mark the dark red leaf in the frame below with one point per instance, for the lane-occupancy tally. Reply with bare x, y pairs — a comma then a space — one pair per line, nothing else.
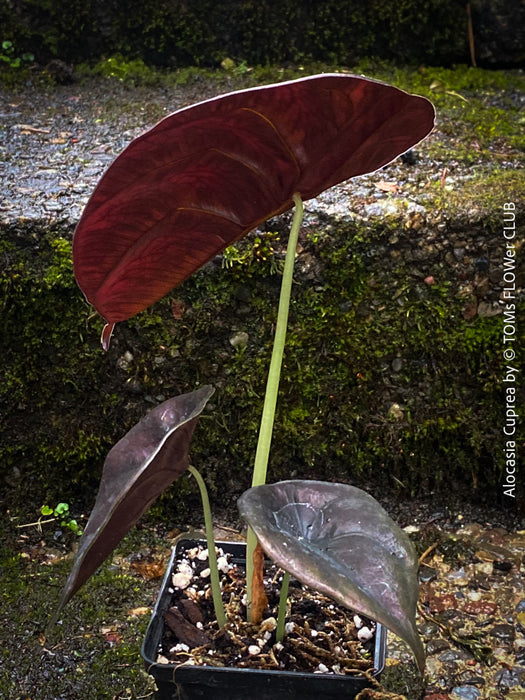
207, 174
137, 469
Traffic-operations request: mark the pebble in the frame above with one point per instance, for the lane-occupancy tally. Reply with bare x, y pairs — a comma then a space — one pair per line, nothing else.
268, 625
409, 529
482, 264
435, 646
364, 634
397, 364
239, 340
503, 632
123, 364
54, 207
453, 655
484, 567
459, 577
181, 579
480, 607
487, 309
507, 678
469, 678
427, 574
223, 564
465, 692
381, 208
395, 412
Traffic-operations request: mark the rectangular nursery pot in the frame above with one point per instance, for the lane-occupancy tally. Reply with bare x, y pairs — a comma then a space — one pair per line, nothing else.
227, 683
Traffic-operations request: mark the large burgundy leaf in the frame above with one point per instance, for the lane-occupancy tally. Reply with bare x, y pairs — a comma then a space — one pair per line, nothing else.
340, 541
137, 469
207, 174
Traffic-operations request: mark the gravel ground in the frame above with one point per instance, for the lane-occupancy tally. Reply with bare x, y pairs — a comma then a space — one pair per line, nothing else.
55, 143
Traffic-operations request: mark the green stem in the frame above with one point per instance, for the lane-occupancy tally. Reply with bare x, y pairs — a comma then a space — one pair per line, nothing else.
212, 556
272, 384
281, 616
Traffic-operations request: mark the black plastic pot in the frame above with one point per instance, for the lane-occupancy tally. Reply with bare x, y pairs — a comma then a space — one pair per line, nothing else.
225, 683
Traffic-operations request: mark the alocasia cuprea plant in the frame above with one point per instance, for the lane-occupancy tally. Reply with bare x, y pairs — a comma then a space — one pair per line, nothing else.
178, 195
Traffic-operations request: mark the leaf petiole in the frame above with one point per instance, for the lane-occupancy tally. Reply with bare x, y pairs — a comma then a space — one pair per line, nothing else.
212, 556
272, 385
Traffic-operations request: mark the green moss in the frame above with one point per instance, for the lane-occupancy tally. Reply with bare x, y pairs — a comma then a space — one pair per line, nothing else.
94, 650
403, 679
476, 110
48, 364
337, 413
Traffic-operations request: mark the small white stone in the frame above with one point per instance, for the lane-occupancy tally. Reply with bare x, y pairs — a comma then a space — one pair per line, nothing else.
411, 528
268, 625
484, 567
199, 625
203, 555
314, 633
181, 580
239, 340
205, 573
185, 568
253, 650
223, 565
289, 627
364, 634
357, 621
322, 668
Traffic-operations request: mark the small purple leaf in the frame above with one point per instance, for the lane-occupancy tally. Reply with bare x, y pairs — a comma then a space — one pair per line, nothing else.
137, 469
338, 540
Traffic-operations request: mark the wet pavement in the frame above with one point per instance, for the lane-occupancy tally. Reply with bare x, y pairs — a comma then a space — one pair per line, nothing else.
55, 143
471, 613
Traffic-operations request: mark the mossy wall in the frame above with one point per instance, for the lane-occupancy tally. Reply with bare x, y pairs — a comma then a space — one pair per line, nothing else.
203, 32
385, 381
